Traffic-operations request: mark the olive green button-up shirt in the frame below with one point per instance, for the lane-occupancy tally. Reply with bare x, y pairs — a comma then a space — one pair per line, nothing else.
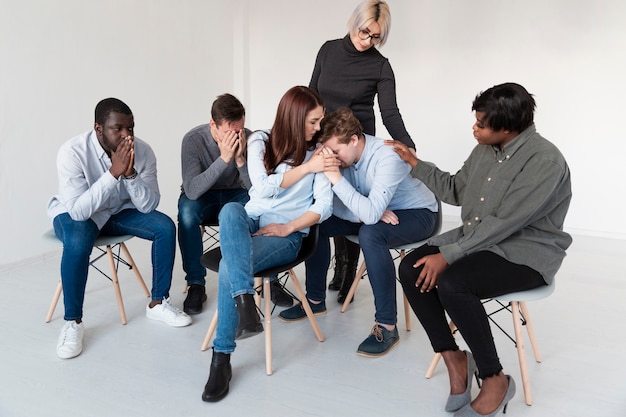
514, 203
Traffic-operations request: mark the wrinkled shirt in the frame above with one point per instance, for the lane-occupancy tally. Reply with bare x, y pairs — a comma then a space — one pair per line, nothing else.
87, 190
379, 181
271, 203
202, 167
514, 203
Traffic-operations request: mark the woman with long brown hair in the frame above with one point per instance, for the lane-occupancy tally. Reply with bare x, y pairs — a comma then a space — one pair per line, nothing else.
289, 194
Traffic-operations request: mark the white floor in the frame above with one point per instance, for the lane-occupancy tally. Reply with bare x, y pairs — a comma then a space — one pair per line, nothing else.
146, 368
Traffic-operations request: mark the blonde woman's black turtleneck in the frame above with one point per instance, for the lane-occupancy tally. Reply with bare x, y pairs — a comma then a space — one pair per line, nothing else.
343, 76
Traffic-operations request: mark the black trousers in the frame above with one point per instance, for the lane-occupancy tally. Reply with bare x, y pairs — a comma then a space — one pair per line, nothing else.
459, 291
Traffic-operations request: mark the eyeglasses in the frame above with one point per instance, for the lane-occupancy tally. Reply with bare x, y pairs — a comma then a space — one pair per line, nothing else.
364, 35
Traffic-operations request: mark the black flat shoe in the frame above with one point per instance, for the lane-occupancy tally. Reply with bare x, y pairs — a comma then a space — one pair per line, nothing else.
196, 296
249, 321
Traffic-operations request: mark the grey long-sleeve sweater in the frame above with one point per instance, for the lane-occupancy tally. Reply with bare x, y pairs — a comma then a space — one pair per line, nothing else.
346, 77
202, 167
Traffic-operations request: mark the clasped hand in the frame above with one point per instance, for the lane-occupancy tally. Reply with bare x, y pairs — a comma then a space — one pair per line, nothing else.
326, 161
123, 158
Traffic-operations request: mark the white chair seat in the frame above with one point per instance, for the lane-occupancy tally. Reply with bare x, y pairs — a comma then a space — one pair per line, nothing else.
109, 243
515, 303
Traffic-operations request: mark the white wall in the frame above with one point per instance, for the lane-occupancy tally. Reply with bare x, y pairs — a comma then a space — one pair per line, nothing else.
168, 60
571, 54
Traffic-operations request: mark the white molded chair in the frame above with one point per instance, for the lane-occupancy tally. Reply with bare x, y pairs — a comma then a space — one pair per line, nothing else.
515, 303
108, 246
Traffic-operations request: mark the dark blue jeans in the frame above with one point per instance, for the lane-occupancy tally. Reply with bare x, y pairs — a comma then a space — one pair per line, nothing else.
78, 238
375, 240
191, 214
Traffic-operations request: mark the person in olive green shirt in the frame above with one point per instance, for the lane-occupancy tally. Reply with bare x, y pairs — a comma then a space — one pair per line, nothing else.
514, 190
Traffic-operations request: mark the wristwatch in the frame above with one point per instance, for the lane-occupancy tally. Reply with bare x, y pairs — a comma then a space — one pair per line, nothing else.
132, 176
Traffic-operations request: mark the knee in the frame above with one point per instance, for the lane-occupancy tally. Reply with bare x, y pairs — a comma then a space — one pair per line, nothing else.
163, 226
230, 212
188, 212
407, 273
370, 234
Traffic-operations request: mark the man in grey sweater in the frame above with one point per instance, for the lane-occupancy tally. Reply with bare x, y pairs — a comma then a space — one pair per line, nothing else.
214, 169
215, 172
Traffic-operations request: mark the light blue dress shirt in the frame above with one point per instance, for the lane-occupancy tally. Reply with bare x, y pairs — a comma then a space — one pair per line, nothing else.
87, 190
380, 180
270, 203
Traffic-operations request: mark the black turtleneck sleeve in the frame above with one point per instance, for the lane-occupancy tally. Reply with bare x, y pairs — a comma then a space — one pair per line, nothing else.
343, 76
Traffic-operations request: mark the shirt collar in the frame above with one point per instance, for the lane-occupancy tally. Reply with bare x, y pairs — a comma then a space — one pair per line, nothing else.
93, 138
513, 146
366, 148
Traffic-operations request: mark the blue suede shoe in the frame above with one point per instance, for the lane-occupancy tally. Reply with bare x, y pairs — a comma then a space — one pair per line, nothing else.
379, 342
297, 313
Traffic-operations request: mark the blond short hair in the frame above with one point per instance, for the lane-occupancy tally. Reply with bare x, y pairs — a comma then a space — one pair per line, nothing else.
371, 11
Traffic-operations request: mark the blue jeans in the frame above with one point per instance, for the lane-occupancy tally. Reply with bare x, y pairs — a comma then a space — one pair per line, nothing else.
191, 214
78, 238
242, 256
375, 240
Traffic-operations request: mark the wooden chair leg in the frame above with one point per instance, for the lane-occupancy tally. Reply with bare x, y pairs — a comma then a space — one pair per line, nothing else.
133, 266
306, 306
531, 331
433, 365
407, 312
55, 300
209, 332
355, 284
267, 316
407, 306
521, 351
437, 356
116, 284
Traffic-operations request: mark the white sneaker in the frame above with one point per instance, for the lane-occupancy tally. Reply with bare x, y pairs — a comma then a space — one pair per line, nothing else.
168, 314
71, 340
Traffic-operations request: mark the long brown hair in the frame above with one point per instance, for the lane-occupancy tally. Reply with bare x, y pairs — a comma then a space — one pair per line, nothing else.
287, 141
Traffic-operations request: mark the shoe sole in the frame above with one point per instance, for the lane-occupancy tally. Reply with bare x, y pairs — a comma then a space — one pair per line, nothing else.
216, 399
377, 355
168, 323
281, 318
69, 356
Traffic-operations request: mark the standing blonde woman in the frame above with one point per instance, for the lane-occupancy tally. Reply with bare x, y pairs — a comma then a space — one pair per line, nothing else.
351, 72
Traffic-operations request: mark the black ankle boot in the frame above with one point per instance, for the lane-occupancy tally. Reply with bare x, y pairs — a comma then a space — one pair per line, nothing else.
351, 265
220, 374
249, 321
340, 271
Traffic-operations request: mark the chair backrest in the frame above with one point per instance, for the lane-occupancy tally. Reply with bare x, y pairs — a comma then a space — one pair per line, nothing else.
211, 259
